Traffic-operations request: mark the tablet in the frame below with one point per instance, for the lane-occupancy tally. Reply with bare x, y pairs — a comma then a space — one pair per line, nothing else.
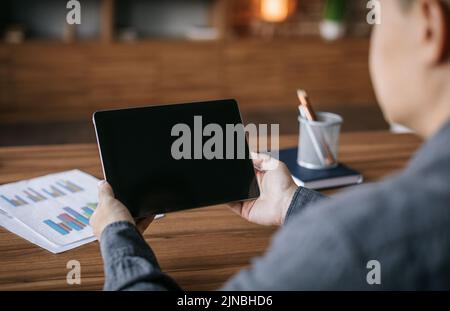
161, 159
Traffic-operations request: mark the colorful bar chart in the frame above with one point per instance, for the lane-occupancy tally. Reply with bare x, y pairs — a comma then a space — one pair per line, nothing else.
87, 211
66, 227
58, 189
52, 211
54, 192
77, 216
57, 227
70, 186
16, 201
34, 196
72, 220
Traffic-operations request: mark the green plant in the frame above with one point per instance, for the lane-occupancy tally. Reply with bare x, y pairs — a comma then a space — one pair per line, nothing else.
335, 10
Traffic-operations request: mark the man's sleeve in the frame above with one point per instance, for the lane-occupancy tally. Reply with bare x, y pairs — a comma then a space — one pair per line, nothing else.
129, 262
310, 252
302, 198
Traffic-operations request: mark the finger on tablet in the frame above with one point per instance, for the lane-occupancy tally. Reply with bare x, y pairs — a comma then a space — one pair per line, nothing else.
264, 162
104, 190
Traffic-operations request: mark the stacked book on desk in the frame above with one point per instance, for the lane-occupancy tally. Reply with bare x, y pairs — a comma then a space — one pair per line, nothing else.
52, 211
318, 179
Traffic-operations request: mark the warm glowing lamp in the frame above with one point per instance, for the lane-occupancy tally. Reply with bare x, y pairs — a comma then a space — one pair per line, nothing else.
274, 11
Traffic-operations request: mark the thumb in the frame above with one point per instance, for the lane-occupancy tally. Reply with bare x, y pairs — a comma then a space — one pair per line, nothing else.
264, 162
256, 159
104, 190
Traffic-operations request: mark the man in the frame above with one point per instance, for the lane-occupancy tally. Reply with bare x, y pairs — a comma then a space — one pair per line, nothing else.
402, 222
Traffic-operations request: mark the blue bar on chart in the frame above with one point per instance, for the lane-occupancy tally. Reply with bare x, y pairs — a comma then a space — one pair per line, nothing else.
21, 200
75, 222
56, 227
16, 201
70, 186
72, 223
37, 194
87, 211
54, 192
66, 227
77, 215
34, 196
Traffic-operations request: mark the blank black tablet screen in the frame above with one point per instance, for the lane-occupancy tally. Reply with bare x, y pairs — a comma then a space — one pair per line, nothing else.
136, 149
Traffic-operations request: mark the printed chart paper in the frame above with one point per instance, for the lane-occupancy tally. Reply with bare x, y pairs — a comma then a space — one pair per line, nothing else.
52, 211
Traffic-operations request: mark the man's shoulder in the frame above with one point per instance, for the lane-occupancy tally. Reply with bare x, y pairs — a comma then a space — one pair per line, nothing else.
385, 213
393, 220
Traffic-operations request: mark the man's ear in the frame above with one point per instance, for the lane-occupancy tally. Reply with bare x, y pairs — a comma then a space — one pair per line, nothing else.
434, 34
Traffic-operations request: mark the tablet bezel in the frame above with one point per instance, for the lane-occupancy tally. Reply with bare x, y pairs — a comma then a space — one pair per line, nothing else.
206, 204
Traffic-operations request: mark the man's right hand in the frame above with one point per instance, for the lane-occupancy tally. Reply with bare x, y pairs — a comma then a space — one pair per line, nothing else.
277, 190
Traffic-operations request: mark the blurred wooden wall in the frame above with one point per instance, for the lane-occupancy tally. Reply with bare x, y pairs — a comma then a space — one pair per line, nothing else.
42, 82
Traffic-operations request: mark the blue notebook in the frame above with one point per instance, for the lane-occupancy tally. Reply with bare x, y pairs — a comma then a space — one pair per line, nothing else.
319, 179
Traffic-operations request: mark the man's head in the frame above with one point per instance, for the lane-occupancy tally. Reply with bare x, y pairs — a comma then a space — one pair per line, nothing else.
410, 63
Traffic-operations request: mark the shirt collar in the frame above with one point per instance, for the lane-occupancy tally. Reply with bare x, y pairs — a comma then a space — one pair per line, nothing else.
436, 146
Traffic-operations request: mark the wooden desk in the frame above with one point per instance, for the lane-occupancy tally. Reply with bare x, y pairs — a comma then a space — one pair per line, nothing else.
199, 248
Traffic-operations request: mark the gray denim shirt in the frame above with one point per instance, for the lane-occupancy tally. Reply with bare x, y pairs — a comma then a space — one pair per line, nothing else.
403, 223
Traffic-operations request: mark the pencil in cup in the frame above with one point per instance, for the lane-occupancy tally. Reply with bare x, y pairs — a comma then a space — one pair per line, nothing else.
317, 133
